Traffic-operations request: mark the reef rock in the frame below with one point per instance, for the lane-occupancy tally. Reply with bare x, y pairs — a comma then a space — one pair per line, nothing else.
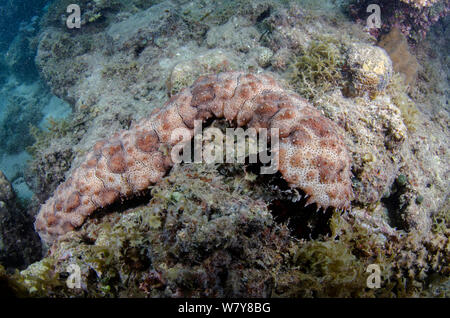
370, 67
375, 134
186, 72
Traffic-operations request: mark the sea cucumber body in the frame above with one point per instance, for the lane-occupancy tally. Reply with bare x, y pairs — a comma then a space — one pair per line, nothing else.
312, 154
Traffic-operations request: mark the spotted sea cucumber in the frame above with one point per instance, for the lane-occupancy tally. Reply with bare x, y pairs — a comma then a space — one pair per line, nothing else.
312, 155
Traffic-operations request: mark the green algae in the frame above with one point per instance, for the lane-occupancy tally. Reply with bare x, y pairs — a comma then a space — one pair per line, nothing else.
318, 69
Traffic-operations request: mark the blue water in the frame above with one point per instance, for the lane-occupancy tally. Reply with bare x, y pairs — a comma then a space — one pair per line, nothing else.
24, 99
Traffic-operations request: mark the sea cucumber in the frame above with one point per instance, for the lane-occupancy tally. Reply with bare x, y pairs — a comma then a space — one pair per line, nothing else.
312, 155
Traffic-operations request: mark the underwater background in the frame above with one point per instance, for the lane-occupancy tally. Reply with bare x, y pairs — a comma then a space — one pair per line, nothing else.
224, 230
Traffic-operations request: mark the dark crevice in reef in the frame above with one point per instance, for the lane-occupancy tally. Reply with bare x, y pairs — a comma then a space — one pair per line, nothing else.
303, 222
396, 204
138, 50
264, 15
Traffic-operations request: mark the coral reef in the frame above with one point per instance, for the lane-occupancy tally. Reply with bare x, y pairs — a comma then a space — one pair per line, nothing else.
56, 46
370, 68
420, 3
311, 157
324, 66
93, 12
181, 238
413, 18
377, 124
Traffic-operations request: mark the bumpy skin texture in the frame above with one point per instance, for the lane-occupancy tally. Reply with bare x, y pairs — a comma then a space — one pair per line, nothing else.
312, 154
